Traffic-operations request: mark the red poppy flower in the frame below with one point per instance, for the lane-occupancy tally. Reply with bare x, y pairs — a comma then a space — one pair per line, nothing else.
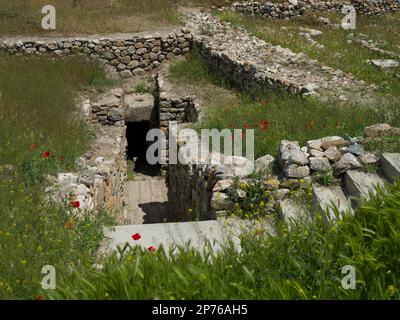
33, 146
39, 298
61, 159
136, 236
246, 126
152, 248
46, 154
75, 204
264, 125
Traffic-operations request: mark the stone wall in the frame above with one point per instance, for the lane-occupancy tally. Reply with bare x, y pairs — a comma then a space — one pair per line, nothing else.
99, 182
363, 7
199, 182
290, 9
128, 54
208, 188
254, 65
270, 10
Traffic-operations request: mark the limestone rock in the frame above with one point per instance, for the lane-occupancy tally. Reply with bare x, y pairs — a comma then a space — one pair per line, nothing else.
290, 152
377, 130
333, 154
296, 171
264, 164
320, 164
347, 162
334, 141
368, 158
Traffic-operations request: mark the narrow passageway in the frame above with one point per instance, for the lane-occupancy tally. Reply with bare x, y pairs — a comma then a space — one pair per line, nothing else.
146, 190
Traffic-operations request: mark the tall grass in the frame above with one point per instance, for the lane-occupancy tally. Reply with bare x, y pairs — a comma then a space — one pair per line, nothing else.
41, 134
304, 261
274, 116
93, 16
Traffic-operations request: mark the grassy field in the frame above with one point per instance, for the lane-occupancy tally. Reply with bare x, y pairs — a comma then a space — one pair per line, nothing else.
274, 116
302, 262
20, 17
41, 135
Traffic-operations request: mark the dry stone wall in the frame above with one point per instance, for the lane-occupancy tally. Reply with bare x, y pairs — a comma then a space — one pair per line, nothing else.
363, 7
100, 182
127, 54
269, 9
208, 188
286, 10
252, 64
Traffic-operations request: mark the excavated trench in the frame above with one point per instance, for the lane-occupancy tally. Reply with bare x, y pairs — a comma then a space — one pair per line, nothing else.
146, 189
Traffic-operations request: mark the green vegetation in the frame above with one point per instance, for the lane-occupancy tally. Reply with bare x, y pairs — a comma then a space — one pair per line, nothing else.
41, 135
94, 16
387, 143
302, 262
337, 52
274, 116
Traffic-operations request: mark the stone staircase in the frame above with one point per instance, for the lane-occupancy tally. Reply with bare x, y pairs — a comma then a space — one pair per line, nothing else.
357, 184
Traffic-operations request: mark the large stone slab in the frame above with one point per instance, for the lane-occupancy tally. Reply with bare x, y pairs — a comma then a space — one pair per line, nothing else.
328, 198
138, 107
360, 184
194, 234
291, 210
390, 163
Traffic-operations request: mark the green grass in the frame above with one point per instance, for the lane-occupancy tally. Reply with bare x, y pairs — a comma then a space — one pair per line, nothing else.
93, 16
37, 115
287, 116
302, 262
337, 52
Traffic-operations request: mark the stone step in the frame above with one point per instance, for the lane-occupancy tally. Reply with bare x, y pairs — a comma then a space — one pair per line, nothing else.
360, 184
390, 164
195, 234
327, 198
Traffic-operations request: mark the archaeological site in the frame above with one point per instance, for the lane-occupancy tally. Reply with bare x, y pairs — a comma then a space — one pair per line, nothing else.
200, 150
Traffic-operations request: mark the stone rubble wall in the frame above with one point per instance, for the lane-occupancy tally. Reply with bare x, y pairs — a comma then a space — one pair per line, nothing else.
207, 189
100, 182
254, 65
197, 185
127, 54
286, 10
269, 10
363, 7
108, 109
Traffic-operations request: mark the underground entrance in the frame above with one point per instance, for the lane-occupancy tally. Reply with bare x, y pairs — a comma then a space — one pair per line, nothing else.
137, 147
146, 189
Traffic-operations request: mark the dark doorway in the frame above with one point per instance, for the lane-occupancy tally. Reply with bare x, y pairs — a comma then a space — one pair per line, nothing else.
137, 147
